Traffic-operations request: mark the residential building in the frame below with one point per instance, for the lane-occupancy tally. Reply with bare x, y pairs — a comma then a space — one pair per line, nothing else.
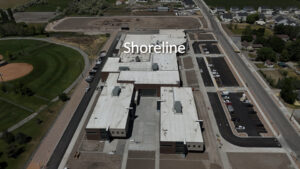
226, 17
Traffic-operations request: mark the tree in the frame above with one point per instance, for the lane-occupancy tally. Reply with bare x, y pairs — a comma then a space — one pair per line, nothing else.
4, 16
64, 97
13, 151
266, 53
247, 34
287, 91
277, 44
284, 56
252, 18
21, 138
11, 15
294, 50
3, 165
8, 137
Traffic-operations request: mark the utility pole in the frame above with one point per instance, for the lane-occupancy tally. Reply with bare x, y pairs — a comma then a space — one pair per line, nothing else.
292, 114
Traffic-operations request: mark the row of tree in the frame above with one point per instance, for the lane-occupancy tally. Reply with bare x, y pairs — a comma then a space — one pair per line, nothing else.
274, 47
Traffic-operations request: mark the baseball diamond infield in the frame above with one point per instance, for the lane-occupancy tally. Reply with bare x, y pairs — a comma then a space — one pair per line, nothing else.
14, 71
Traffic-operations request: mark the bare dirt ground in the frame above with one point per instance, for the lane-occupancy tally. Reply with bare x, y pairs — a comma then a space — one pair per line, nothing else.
14, 71
107, 24
259, 160
188, 63
34, 17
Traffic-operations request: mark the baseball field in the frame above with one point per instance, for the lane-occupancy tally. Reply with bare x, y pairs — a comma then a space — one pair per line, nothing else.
36, 73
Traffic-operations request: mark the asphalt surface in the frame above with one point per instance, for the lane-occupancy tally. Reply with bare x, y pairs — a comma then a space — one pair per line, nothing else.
289, 134
226, 77
72, 126
227, 133
244, 117
205, 74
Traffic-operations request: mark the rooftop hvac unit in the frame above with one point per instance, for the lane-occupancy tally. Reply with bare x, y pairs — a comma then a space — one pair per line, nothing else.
116, 91
137, 59
177, 107
123, 68
155, 67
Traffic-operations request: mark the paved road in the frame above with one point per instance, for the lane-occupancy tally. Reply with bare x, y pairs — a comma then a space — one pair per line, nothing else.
289, 134
72, 126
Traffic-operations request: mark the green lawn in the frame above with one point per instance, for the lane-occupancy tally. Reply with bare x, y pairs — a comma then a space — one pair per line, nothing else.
50, 6
254, 3
36, 131
10, 114
55, 68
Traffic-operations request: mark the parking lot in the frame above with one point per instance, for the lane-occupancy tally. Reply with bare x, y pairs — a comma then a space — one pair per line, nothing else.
244, 115
227, 133
204, 72
226, 78
206, 48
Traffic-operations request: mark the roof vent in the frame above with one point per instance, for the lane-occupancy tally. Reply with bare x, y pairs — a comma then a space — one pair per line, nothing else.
177, 107
116, 91
137, 59
155, 67
123, 68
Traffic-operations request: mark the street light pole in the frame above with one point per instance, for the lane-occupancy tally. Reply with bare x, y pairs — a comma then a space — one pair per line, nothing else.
292, 114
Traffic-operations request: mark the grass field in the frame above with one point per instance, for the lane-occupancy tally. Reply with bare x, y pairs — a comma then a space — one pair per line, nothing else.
11, 3
254, 3
50, 6
238, 29
36, 131
55, 68
10, 114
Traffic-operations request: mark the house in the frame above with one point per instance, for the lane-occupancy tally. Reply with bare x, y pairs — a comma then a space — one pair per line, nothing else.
241, 17
297, 12
234, 9
226, 17
284, 20
249, 10
284, 11
260, 22
162, 9
167, 1
141, 0
220, 10
189, 3
269, 64
257, 46
283, 37
261, 17
265, 10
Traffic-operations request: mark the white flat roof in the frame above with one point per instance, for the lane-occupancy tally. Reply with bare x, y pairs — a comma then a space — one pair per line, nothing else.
172, 37
179, 126
152, 77
112, 111
166, 62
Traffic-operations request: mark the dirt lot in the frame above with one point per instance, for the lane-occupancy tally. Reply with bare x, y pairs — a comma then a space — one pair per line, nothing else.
191, 78
15, 70
188, 63
106, 24
141, 159
201, 36
192, 161
34, 17
259, 160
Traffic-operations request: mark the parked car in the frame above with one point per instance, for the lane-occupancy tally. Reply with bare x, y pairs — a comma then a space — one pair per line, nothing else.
89, 79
